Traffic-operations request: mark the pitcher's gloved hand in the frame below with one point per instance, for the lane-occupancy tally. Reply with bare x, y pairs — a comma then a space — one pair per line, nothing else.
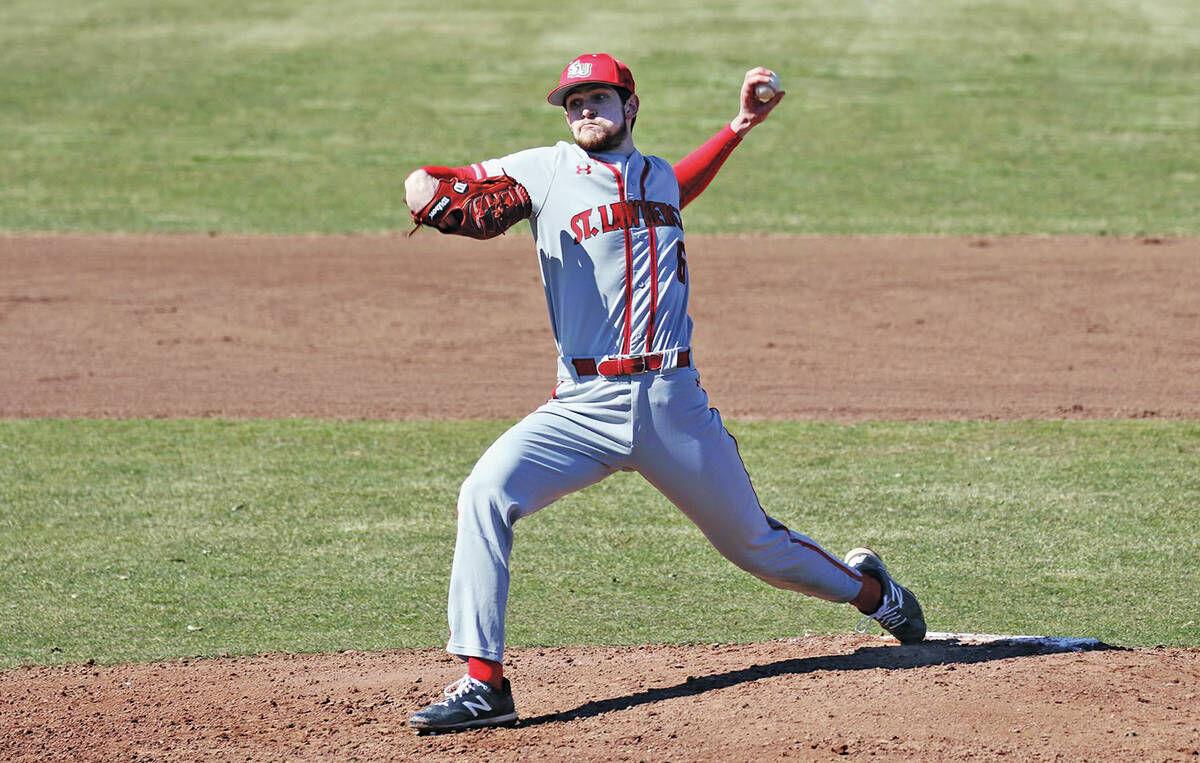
479, 209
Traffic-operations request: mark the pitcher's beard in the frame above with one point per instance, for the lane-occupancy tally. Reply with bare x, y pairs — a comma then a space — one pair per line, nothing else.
590, 141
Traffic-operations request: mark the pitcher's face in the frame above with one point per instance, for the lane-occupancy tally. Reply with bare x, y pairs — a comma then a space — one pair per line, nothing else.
598, 119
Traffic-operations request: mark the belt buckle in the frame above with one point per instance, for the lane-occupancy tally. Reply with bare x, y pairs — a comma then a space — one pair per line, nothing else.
638, 364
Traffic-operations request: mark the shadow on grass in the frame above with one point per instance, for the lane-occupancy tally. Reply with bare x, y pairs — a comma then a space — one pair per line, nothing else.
928, 653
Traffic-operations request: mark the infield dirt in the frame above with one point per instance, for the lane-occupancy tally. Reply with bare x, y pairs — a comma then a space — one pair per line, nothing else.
429, 327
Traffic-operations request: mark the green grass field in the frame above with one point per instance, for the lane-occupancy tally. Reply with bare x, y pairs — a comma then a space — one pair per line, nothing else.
917, 116
138, 540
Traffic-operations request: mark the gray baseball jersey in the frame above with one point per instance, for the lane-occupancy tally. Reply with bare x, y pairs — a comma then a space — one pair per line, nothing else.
610, 240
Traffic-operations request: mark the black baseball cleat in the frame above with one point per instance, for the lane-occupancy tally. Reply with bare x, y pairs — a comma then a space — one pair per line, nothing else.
899, 613
469, 704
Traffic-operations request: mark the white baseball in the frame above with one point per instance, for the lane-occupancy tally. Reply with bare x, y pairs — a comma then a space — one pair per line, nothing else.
766, 91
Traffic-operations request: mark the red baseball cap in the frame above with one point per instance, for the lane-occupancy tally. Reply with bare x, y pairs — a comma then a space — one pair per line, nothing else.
591, 68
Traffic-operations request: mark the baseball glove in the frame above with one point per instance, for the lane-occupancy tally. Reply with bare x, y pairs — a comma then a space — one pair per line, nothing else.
479, 209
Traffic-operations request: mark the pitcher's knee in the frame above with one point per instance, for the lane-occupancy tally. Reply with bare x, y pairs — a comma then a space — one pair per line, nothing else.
483, 500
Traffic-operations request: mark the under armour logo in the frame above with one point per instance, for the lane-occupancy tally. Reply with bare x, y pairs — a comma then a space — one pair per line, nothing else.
583, 169
578, 69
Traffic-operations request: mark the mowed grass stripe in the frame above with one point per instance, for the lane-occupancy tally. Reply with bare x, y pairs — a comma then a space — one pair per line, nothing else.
914, 116
139, 540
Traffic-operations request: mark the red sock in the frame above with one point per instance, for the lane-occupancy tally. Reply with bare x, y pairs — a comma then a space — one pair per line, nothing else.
870, 597
488, 671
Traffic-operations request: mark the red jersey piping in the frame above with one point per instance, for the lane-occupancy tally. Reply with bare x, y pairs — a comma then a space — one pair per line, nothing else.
628, 261
653, 259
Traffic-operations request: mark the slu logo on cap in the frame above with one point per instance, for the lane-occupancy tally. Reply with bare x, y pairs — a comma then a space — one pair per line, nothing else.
579, 69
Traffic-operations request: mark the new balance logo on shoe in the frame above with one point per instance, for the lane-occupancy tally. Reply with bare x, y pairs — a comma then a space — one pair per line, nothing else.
477, 707
890, 618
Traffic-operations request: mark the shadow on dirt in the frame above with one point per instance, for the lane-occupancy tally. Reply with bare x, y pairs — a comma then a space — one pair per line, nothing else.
926, 654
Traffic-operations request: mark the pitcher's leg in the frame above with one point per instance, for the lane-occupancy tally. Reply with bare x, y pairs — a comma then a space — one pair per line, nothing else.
542, 458
698, 467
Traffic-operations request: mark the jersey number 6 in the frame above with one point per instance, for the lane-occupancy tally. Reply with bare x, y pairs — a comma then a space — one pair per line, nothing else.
681, 267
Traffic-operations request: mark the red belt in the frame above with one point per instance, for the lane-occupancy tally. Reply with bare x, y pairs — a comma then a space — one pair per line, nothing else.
638, 364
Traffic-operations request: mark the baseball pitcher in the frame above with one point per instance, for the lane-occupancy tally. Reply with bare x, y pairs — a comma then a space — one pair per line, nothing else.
608, 226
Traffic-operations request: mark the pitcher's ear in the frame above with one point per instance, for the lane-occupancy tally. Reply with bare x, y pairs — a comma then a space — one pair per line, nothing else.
631, 106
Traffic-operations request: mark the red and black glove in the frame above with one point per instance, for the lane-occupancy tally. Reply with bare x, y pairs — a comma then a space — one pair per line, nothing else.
479, 209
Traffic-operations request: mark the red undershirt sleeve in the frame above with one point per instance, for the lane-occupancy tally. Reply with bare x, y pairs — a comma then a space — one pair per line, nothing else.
696, 170
471, 172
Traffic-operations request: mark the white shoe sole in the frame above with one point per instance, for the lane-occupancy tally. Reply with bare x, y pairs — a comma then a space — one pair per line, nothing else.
498, 720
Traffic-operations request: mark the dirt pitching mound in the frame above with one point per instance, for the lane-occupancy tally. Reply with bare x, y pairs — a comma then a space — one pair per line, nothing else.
801, 698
